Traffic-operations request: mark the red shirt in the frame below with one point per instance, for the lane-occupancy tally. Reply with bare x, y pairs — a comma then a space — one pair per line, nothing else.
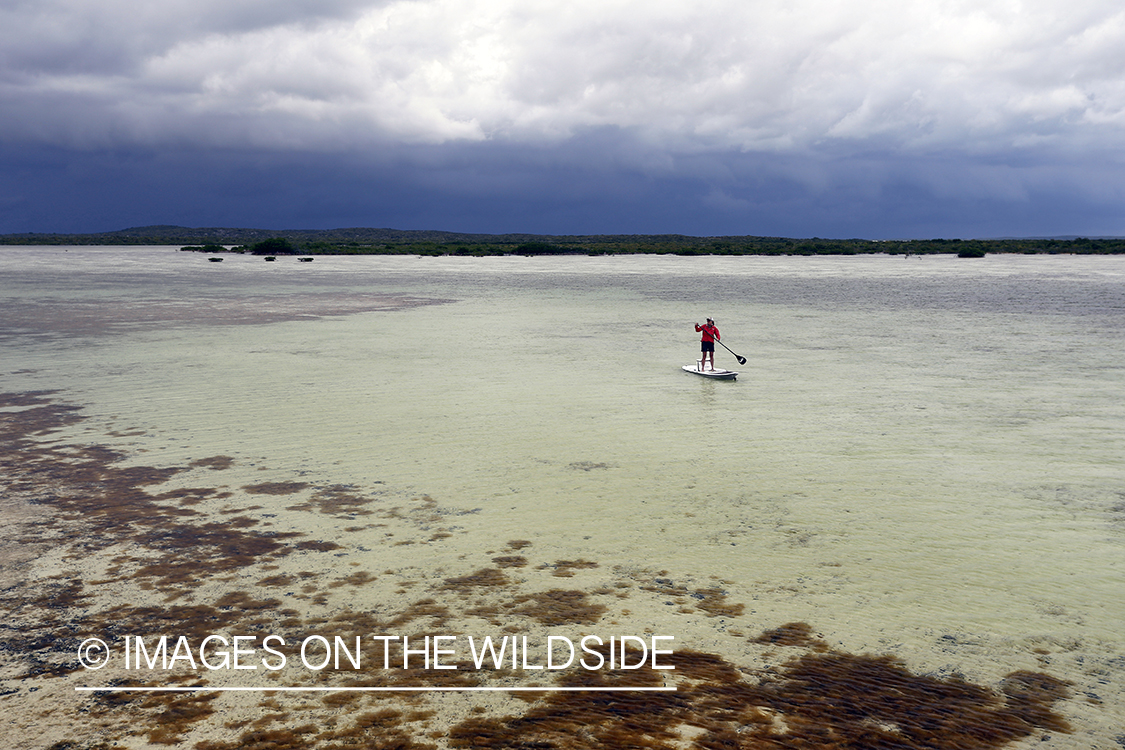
710, 331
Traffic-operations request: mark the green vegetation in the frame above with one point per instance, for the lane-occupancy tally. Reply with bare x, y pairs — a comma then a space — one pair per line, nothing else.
545, 248
361, 241
210, 247
272, 246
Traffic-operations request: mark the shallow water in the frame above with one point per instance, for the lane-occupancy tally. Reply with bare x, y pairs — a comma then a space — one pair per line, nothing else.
920, 453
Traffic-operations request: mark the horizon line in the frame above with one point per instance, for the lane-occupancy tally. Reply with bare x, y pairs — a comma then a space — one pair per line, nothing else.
1066, 237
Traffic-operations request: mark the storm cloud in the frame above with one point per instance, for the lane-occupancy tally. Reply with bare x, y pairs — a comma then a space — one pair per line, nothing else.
802, 117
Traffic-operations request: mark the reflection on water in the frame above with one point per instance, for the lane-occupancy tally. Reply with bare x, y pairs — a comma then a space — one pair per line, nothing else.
921, 459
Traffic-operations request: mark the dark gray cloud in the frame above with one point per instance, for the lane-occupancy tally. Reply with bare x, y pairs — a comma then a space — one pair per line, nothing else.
797, 116
488, 187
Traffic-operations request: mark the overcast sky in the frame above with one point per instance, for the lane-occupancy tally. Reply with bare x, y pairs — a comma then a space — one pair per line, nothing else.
830, 118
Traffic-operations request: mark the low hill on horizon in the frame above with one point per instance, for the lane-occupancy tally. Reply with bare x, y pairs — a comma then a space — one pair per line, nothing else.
366, 240
166, 234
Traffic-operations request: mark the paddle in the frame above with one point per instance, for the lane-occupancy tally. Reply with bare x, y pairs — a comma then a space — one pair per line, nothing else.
741, 360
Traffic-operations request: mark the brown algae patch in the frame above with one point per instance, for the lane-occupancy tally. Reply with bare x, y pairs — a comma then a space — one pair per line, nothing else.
792, 634
120, 557
566, 568
558, 607
711, 600
813, 701
275, 488
215, 463
337, 500
510, 561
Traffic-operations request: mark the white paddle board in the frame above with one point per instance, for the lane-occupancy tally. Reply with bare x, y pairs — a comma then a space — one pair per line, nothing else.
717, 374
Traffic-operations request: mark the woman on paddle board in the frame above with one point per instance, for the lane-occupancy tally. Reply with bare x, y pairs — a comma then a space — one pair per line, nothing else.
707, 345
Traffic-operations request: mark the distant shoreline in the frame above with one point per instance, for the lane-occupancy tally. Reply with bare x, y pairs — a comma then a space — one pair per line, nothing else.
366, 241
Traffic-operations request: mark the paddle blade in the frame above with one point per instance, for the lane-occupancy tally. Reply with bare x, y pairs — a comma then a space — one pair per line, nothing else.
742, 360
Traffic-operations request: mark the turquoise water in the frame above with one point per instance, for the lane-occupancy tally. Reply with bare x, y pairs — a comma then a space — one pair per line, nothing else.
918, 450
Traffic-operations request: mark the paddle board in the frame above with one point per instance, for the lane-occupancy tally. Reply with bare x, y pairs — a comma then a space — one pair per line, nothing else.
717, 374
